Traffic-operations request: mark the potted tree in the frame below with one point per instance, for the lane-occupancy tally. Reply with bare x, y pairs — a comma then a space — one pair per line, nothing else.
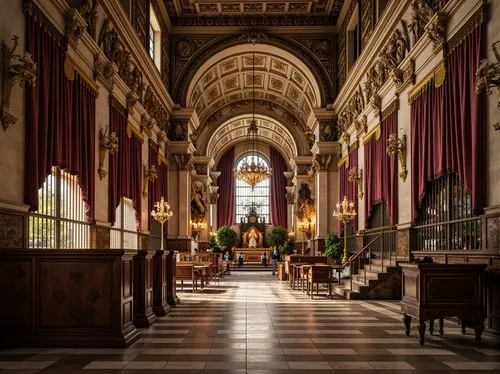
278, 237
225, 238
334, 248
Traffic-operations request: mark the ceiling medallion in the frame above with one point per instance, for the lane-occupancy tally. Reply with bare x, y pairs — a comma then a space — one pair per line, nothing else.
256, 171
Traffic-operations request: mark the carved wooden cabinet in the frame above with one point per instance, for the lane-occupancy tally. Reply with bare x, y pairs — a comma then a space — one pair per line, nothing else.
436, 291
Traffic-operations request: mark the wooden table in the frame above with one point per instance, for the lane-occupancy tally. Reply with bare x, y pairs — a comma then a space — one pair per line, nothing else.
436, 291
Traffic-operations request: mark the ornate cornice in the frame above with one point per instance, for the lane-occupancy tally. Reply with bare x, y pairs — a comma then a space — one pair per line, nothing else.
392, 107
255, 21
477, 19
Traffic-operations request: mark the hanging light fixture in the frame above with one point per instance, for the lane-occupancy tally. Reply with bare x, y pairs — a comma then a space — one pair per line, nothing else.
256, 171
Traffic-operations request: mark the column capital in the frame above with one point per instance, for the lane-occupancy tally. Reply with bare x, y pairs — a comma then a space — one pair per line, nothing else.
184, 161
321, 162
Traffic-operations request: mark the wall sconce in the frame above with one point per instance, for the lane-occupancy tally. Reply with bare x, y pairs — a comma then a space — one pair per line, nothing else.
106, 143
489, 77
150, 174
357, 177
196, 228
14, 68
396, 146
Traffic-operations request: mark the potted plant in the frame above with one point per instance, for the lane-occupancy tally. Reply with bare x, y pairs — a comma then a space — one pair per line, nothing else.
226, 237
334, 248
213, 246
277, 237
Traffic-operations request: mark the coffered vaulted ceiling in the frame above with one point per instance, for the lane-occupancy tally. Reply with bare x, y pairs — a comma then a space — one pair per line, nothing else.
277, 79
179, 8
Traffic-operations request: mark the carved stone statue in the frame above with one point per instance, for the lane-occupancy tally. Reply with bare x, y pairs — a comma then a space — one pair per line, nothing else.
305, 204
199, 200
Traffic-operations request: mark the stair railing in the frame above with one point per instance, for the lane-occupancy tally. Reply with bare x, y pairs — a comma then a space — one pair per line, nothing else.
357, 256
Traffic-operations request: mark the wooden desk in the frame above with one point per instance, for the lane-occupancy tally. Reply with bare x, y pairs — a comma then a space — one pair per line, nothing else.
437, 291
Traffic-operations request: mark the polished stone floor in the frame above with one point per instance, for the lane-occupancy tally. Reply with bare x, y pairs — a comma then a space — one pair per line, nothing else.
252, 323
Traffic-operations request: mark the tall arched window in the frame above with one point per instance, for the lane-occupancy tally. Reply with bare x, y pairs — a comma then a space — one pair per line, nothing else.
60, 220
246, 198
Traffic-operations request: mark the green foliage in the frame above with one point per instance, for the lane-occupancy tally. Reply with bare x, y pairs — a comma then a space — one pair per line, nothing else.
226, 237
213, 246
287, 248
277, 237
334, 248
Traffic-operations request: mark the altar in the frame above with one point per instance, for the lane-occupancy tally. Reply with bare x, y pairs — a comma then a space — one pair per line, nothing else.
253, 254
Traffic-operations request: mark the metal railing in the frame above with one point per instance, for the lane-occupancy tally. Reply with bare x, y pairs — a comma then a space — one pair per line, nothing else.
459, 234
381, 244
360, 259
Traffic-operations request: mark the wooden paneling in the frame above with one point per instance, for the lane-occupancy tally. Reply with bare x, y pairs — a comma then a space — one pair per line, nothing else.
143, 289
16, 294
69, 298
74, 293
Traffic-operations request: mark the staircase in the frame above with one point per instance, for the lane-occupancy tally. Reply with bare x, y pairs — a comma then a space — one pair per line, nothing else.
370, 274
372, 281
252, 266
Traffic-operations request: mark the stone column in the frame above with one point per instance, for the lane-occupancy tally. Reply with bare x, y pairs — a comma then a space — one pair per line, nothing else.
200, 198
326, 182
303, 174
179, 227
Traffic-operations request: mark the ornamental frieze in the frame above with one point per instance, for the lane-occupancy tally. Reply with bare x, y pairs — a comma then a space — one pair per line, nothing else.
88, 11
129, 71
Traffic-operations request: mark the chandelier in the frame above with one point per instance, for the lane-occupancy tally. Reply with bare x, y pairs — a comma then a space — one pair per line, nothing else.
255, 171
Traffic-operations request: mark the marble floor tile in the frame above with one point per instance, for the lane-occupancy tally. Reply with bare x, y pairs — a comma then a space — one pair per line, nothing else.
253, 324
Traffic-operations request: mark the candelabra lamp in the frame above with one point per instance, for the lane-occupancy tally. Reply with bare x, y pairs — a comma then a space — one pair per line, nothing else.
397, 146
161, 213
150, 175
357, 177
107, 143
306, 227
345, 213
196, 228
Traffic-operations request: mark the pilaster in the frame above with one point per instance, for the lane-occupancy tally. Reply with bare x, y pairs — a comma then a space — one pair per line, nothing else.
179, 233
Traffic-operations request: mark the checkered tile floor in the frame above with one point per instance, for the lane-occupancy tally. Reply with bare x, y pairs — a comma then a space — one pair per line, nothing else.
252, 323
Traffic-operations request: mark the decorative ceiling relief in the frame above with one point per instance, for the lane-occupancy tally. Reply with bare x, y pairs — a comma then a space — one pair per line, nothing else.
218, 85
129, 71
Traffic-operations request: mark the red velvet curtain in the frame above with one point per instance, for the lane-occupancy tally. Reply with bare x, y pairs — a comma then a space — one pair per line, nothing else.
381, 171
349, 189
125, 166
227, 185
278, 189
448, 127
158, 188
60, 118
